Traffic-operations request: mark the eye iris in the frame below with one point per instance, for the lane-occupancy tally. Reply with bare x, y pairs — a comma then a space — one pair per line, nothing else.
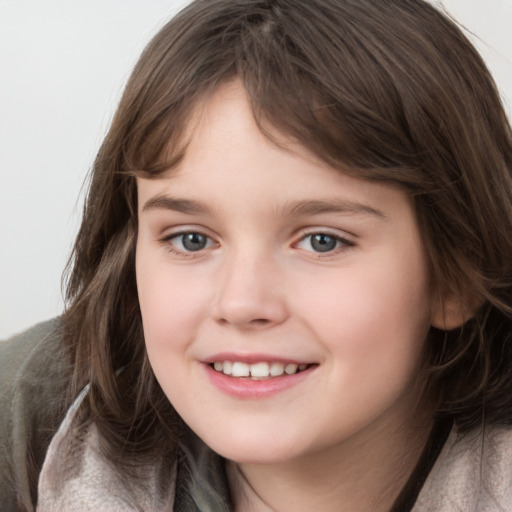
193, 241
323, 243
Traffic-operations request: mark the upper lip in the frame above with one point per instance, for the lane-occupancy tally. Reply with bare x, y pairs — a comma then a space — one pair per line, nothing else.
253, 358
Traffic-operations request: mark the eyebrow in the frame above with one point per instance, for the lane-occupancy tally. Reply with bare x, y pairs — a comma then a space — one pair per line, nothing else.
175, 204
330, 206
297, 208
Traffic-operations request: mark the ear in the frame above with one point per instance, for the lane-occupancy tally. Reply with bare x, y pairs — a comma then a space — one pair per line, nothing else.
452, 312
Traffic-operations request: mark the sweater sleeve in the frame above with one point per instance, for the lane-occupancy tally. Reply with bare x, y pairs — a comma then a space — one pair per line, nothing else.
33, 381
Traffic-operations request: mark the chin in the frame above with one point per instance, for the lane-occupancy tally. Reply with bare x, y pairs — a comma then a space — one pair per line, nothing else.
255, 449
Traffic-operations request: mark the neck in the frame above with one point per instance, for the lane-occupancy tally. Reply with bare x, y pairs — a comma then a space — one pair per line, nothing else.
363, 474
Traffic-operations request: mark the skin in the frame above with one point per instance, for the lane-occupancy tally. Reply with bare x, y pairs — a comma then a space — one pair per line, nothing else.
350, 432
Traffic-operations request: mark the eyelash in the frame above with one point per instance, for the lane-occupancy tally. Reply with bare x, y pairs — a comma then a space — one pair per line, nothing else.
167, 241
342, 243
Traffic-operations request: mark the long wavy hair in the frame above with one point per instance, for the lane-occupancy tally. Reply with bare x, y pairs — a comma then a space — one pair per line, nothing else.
391, 90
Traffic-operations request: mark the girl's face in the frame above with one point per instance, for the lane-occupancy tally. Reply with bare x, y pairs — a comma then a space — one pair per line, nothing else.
285, 304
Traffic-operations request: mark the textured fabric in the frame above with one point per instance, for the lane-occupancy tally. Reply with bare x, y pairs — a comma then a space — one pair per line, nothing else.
34, 375
76, 476
472, 474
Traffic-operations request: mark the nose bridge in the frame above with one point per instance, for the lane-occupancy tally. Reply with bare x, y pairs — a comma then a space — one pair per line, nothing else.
249, 292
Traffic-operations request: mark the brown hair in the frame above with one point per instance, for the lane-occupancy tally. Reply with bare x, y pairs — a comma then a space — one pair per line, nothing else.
389, 89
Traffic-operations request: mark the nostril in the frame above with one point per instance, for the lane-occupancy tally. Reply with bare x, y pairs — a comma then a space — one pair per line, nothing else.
260, 321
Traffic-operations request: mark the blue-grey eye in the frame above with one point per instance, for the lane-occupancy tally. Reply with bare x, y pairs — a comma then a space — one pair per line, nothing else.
194, 241
188, 242
321, 242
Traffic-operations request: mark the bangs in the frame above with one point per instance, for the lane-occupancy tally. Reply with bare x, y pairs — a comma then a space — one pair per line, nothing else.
349, 92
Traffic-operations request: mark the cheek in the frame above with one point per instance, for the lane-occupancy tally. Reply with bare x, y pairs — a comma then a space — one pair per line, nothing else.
376, 317
170, 305
170, 301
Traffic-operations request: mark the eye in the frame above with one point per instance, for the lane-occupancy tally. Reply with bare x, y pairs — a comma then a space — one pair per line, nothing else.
323, 242
190, 241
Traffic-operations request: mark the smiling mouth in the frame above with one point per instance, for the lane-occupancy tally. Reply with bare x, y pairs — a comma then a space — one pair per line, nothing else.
258, 371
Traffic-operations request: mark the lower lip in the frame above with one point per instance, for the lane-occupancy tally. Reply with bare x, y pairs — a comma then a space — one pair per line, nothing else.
246, 388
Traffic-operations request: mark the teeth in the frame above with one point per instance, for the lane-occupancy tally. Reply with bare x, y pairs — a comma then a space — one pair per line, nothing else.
240, 370
276, 369
258, 370
290, 369
227, 367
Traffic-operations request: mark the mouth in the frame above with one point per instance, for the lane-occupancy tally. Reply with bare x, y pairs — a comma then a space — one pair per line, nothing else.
256, 376
262, 370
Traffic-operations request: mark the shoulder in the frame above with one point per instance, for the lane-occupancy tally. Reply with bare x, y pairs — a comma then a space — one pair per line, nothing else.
473, 472
78, 475
28, 352
33, 377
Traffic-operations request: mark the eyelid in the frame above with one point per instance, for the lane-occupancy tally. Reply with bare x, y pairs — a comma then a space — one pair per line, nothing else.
347, 242
166, 240
344, 241
171, 231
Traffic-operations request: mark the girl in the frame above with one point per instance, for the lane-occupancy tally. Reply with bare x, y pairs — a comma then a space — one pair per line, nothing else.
291, 289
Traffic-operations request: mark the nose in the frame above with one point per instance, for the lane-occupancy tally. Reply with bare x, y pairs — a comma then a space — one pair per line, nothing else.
250, 293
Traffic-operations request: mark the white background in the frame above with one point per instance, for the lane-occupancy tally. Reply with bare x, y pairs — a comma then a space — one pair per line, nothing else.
63, 64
